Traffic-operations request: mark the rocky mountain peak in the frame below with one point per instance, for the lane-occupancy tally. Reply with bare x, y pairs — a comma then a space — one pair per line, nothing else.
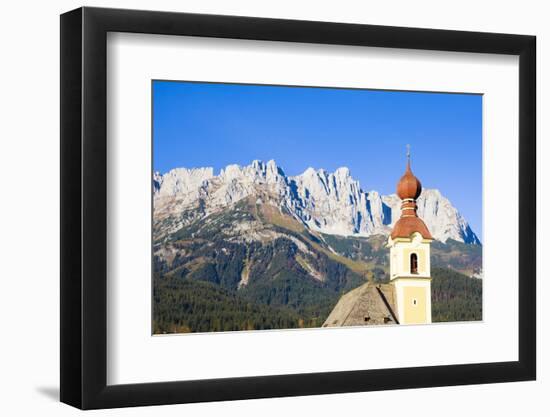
181, 181
331, 203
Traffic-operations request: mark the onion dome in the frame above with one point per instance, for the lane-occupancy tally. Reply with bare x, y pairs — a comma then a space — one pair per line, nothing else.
409, 187
408, 190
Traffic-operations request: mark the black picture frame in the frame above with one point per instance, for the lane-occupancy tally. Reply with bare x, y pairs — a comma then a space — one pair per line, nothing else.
84, 207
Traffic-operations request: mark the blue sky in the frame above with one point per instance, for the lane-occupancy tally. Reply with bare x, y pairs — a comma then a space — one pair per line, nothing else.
207, 124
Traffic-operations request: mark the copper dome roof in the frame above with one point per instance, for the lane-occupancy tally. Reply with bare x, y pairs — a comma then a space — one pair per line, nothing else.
406, 226
409, 186
408, 190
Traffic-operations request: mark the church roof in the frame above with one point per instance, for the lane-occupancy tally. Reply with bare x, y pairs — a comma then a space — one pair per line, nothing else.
369, 304
406, 226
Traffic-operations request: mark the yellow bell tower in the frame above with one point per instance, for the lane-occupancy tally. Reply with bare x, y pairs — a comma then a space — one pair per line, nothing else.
409, 245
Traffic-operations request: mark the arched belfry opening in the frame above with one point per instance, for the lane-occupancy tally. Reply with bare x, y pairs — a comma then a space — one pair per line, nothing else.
414, 263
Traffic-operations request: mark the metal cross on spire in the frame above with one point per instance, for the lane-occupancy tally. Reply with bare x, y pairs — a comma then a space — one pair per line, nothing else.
408, 152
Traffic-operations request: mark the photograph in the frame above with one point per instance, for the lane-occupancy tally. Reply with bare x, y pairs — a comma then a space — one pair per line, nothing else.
289, 207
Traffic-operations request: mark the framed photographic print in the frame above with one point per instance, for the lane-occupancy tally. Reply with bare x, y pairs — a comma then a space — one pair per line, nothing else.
258, 207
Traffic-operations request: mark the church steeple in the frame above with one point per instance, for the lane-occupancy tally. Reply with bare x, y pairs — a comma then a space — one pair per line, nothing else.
409, 245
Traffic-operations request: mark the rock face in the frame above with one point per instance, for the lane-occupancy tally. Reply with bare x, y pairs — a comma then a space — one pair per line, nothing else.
331, 203
334, 203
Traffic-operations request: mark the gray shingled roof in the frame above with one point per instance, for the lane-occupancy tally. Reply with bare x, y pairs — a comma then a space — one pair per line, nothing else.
368, 304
